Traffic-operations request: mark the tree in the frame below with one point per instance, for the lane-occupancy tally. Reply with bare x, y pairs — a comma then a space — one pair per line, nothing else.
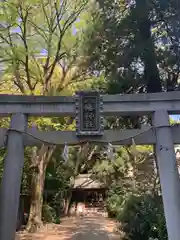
136, 45
132, 172
42, 55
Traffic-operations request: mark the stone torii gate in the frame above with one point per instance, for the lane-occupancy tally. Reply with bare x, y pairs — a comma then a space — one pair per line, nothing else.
89, 109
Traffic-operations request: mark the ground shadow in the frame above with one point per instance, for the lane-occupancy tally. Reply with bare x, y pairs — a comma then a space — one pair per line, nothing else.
81, 228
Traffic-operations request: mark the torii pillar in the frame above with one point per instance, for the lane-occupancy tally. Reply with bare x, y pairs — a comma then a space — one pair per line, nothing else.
169, 177
11, 180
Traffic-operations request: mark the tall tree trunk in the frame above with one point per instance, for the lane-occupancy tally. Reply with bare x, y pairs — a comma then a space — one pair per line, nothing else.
72, 183
148, 55
151, 71
40, 162
35, 216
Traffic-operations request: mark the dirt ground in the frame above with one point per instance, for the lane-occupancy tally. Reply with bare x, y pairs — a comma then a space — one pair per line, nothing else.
84, 228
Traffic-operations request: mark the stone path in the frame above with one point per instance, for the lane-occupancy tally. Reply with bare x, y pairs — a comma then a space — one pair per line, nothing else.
85, 228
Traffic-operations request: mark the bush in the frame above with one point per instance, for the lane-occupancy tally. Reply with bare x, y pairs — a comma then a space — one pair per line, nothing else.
113, 205
142, 218
49, 214
115, 199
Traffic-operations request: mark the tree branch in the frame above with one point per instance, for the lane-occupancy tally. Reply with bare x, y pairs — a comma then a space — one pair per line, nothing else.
49, 153
39, 30
52, 67
39, 69
71, 19
45, 14
24, 39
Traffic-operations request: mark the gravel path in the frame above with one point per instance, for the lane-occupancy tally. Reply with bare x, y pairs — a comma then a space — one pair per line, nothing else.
85, 228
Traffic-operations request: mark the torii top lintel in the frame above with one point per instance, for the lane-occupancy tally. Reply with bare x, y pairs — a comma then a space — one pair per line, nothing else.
113, 105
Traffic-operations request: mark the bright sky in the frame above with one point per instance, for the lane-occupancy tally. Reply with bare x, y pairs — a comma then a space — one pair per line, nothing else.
175, 117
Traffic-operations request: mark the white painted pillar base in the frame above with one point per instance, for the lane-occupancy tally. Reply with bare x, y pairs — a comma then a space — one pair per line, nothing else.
169, 178
11, 181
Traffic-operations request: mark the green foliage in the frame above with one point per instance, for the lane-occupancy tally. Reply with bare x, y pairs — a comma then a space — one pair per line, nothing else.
4, 123
57, 178
132, 183
41, 47
2, 156
115, 199
132, 168
142, 217
135, 44
49, 214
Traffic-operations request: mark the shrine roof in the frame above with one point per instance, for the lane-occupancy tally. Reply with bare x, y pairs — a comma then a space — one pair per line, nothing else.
85, 181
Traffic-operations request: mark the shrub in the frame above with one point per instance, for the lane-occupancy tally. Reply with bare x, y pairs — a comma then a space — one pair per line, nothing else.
116, 197
49, 214
113, 205
142, 218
